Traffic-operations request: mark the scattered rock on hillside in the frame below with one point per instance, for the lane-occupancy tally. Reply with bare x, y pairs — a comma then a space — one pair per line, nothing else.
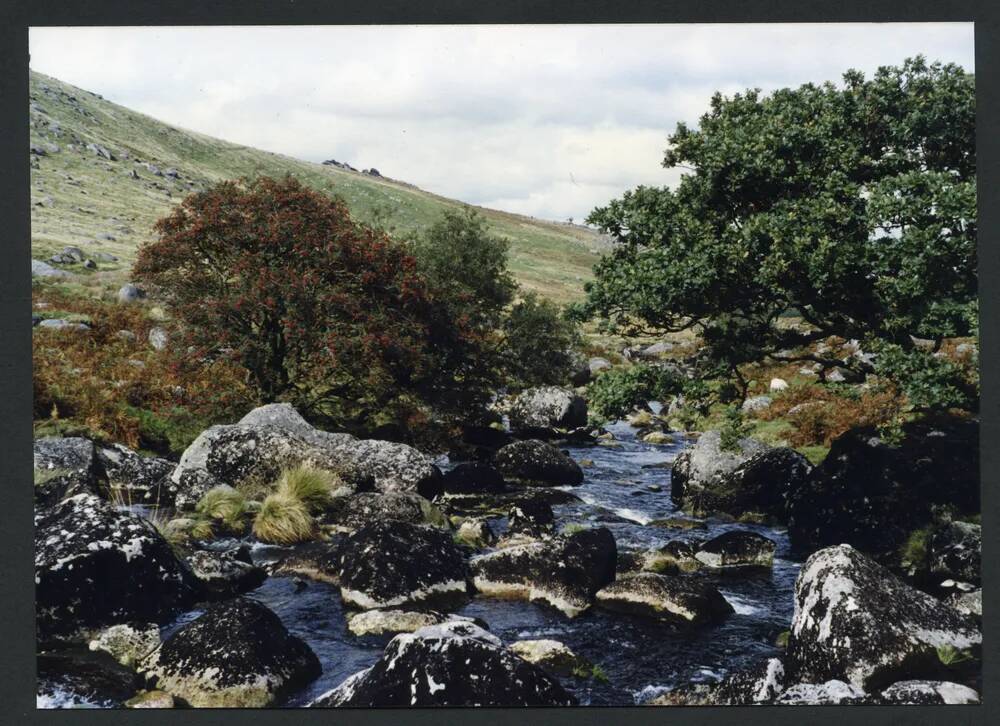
757, 403
95, 565
537, 463
564, 572
236, 655
158, 338
545, 409
394, 564
62, 325
673, 598
44, 269
855, 621
101, 151
452, 664
129, 293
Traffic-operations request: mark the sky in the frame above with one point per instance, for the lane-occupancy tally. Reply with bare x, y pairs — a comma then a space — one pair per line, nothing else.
549, 121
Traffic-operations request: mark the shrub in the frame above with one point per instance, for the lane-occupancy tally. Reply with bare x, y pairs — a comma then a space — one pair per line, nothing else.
226, 506
283, 520
733, 429
310, 485
616, 392
537, 344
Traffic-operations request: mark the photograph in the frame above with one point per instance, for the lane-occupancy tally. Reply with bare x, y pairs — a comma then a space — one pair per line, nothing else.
504, 365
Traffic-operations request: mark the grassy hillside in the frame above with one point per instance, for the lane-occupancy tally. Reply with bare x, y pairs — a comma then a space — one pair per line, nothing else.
81, 198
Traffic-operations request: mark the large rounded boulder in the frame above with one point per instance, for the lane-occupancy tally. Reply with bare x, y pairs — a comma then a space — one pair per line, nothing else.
64, 467
137, 479
226, 574
537, 463
452, 664
564, 572
351, 512
95, 566
392, 564
236, 655
857, 622
673, 598
548, 408
736, 548
473, 478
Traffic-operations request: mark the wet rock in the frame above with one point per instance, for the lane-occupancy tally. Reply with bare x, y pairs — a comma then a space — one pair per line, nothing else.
564, 572
657, 437
351, 512
236, 655
316, 560
872, 496
129, 293
682, 523
393, 564
226, 574
380, 622
929, 693
761, 683
92, 676
855, 621
672, 598
471, 478
151, 699
127, 643
536, 463
737, 548
551, 656
64, 467
831, 693
956, 551
95, 565
533, 518
136, 479
546, 408
705, 467
453, 664
673, 557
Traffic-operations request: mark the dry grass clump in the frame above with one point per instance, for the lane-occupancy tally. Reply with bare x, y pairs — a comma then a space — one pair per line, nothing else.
225, 506
310, 485
284, 520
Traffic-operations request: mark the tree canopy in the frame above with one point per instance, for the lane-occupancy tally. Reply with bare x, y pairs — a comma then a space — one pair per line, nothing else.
851, 206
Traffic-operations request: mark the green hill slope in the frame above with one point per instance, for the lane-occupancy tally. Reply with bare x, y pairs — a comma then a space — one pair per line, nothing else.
83, 198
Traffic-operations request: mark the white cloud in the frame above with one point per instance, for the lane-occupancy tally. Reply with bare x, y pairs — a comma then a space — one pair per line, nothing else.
543, 120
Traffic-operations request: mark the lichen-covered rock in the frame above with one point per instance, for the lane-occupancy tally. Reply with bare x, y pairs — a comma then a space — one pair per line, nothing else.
271, 438
473, 478
757, 403
677, 599
737, 548
873, 495
380, 622
761, 683
452, 664
151, 699
476, 532
318, 561
855, 621
956, 551
352, 512
64, 467
127, 643
137, 479
831, 693
536, 463
533, 518
564, 572
394, 564
95, 565
969, 603
92, 677
673, 557
552, 656
546, 408
226, 574
757, 479
928, 693
236, 655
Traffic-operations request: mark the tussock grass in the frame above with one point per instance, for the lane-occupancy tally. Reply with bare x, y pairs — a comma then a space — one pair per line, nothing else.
310, 485
226, 506
283, 519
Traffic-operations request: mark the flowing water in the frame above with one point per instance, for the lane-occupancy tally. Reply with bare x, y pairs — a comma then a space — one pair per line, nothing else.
640, 658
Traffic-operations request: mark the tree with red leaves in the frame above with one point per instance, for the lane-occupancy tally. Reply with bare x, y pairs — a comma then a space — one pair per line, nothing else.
320, 310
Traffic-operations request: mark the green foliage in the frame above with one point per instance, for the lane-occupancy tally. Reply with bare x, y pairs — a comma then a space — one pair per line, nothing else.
616, 392
949, 655
734, 428
308, 484
537, 343
782, 640
929, 382
914, 552
572, 528
852, 205
283, 520
594, 671
226, 506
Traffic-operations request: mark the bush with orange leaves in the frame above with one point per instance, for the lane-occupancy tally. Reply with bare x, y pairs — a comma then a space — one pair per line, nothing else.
112, 387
